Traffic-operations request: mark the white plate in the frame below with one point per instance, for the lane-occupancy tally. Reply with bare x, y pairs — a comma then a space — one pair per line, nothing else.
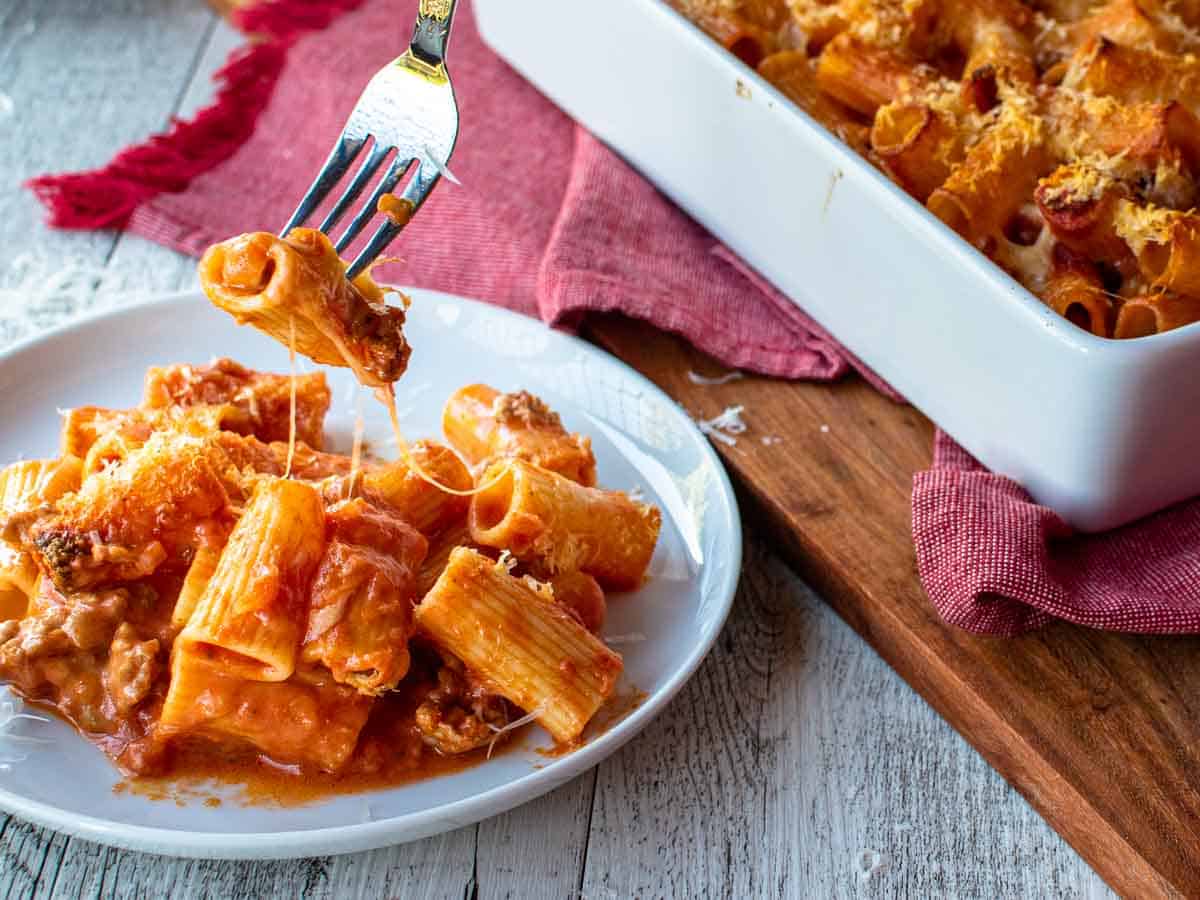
641, 438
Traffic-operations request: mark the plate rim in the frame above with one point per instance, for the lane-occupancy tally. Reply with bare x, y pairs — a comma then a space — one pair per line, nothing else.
395, 830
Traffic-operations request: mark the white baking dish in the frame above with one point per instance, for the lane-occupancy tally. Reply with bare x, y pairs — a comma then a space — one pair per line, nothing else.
1102, 431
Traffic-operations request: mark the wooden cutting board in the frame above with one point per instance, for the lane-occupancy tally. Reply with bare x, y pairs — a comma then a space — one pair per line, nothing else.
1100, 732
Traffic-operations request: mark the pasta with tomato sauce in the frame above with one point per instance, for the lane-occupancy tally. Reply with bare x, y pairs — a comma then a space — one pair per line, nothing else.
199, 587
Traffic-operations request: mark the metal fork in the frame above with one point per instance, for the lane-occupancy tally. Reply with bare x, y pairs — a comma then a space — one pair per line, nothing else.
408, 107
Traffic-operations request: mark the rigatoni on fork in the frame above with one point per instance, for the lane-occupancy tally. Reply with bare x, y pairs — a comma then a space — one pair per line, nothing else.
265, 600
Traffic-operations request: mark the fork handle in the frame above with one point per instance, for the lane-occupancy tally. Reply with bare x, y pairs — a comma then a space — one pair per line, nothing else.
433, 30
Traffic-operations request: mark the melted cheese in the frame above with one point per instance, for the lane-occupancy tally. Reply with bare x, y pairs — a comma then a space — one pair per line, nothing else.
388, 397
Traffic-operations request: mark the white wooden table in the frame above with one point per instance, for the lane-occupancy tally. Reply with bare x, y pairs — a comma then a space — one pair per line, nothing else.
794, 764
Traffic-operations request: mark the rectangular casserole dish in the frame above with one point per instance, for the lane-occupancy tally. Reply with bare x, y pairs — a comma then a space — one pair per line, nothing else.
1103, 431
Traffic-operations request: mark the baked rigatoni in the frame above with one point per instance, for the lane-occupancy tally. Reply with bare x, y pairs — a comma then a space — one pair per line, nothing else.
26, 487
1021, 125
260, 402
252, 611
440, 548
195, 598
308, 719
483, 424
199, 574
410, 487
295, 289
527, 647
536, 514
133, 519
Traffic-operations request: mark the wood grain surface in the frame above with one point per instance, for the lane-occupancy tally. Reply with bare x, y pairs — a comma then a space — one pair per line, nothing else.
1101, 732
795, 763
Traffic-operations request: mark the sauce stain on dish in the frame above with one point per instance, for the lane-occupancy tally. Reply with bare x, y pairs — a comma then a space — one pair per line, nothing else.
182, 794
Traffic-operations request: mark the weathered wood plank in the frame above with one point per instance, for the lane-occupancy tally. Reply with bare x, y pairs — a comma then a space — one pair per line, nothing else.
439, 868
436, 868
878, 789
140, 269
796, 764
679, 812
222, 40
84, 78
29, 854
80, 872
536, 851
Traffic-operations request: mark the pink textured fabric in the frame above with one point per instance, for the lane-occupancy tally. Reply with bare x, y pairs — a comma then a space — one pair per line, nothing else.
995, 562
547, 221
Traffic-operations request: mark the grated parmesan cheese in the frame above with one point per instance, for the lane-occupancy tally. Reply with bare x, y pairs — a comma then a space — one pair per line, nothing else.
725, 427
697, 378
511, 726
1142, 225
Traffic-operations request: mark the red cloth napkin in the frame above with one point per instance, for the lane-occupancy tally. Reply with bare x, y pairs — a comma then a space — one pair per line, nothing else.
995, 562
550, 222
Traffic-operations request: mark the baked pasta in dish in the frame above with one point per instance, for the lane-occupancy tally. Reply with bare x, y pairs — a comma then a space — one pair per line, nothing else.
196, 595
1059, 137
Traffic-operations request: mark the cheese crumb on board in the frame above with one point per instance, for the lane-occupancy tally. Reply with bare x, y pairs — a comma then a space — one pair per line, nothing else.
725, 427
697, 378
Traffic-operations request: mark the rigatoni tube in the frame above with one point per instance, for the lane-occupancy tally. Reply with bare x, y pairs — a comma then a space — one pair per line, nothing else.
440, 548
536, 514
1155, 313
199, 574
521, 643
484, 424
29, 484
308, 719
295, 289
253, 611
24, 488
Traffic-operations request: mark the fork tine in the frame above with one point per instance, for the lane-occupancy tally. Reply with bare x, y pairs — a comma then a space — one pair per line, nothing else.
394, 173
344, 152
380, 239
415, 192
365, 173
